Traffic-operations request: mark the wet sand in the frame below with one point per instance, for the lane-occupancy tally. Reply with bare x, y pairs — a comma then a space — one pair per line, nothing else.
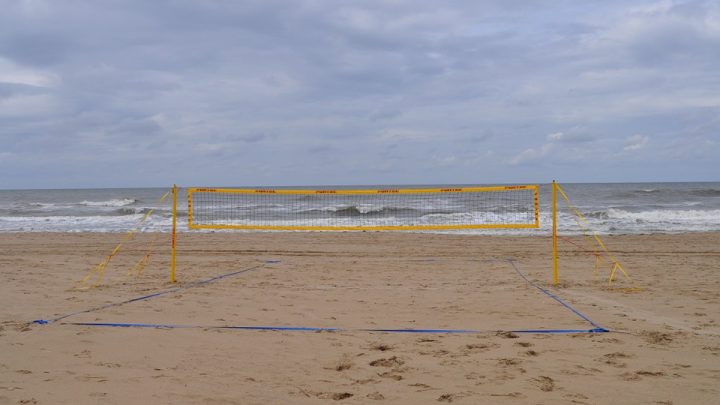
664, 344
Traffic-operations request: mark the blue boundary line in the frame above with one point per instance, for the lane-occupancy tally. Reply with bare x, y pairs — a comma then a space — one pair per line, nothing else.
150, 296
596, 328
320, 329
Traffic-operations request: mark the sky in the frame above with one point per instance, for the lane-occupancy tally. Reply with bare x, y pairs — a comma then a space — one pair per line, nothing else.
320, 92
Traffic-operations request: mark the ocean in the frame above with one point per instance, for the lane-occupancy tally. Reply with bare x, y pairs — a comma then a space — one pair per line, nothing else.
609, 208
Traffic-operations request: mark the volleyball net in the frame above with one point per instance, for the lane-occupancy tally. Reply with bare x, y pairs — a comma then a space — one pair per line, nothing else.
364, 209
385, 209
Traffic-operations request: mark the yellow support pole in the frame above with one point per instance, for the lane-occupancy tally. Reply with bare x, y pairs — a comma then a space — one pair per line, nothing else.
554, 233
173, 238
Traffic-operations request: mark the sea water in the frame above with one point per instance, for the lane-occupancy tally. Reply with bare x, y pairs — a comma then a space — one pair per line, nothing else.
608, 208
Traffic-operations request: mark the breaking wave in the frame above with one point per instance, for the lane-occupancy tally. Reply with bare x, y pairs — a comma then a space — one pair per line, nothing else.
115, 202
665, 216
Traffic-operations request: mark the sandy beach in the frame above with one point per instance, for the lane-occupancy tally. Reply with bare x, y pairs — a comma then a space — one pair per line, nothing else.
663, 346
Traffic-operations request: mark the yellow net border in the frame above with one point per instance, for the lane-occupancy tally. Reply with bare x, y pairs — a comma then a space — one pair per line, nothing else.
533, 188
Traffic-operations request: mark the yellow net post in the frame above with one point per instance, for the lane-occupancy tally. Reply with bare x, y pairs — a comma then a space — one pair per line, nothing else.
554, 233
173, 238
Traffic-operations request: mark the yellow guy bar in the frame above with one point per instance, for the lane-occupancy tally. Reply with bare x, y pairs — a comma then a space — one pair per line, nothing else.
98, 272
580, 219
533, 188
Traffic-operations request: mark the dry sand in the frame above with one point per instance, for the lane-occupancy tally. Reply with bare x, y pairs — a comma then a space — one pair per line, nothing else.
664, 346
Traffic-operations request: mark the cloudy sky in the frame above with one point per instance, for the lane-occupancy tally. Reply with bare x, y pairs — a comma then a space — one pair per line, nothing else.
209, 92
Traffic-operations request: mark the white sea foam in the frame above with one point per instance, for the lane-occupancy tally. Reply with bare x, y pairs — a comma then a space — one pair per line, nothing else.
115, 202
616, 221
41, 205
87, 224
665, 216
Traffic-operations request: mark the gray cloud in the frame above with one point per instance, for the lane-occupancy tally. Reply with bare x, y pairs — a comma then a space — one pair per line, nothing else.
635, 143
312, 92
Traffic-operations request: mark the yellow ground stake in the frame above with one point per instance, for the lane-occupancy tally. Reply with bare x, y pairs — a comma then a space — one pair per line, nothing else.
137, 270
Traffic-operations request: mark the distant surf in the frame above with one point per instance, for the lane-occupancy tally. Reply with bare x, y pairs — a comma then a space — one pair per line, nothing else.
614, 208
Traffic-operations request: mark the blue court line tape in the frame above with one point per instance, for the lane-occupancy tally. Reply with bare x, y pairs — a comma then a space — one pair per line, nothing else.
593, 330
150, 296
596, 328
458, 331
320, 329
556, 298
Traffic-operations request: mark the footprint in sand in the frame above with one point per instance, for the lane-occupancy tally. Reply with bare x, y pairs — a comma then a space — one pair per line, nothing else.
509, 362
475, 376
545, 383
615, 359
508, 368
480, 347
376, 396
391, 375
714, 350
629, 377
657, 338
89, 378
646, 373
393, 361
450, 397
365, 381
575, 396
422, 387
345, 363
381, 347
336, 396
85, 354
